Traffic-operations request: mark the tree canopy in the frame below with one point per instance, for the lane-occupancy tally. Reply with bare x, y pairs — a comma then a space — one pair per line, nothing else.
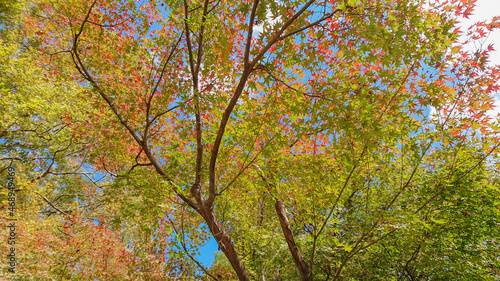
312, 140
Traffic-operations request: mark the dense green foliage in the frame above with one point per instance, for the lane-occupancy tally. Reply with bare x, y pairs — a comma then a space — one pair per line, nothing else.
312, 140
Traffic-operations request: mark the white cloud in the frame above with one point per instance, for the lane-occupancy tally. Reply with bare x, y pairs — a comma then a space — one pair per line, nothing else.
270, 20
494, 113
485, 10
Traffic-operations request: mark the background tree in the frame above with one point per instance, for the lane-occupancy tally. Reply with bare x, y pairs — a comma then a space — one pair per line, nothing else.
311, 139
61, 193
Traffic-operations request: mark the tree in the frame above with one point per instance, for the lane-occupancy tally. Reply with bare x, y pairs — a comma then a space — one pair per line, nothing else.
310, 139
58, 190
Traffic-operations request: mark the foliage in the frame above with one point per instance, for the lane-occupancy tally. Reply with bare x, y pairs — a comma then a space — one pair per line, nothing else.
313, 140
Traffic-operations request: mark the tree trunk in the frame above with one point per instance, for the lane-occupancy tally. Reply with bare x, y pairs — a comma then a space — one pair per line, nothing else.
225, 243
305, 272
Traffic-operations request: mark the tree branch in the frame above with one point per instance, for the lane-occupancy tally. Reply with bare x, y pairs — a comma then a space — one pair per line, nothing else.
232, 103
302, 266
250, 34
52, 205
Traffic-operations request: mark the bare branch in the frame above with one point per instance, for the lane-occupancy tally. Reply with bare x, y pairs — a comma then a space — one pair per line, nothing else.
51, 204
250, 33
